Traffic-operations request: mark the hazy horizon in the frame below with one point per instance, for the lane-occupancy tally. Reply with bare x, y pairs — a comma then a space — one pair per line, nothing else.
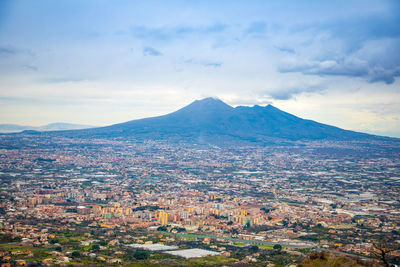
14, 128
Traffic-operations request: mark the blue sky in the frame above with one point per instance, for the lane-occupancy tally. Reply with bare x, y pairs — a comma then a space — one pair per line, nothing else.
103, 62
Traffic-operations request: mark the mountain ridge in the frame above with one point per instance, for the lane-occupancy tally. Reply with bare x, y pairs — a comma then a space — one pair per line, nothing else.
212, 120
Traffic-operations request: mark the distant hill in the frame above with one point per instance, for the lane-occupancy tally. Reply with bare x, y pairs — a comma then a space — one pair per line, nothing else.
212, 121
58, 126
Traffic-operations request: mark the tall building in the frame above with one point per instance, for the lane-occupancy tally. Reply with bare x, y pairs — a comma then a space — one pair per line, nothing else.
162, 218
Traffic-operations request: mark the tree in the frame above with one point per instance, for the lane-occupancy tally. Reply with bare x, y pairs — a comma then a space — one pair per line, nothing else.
141, 255
278, 247
382, 251
54, 241
76, 254
253, 249
234, 231
162, 228
96, 247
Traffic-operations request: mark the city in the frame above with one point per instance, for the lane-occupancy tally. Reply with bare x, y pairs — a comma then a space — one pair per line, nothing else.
249, 205
200, 133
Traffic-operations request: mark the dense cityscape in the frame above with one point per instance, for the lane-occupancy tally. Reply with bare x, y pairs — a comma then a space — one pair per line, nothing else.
96, 202
200, 133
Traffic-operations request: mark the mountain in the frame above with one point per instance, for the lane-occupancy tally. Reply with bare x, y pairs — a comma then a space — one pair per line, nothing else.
58, 126
211, 120
13, 128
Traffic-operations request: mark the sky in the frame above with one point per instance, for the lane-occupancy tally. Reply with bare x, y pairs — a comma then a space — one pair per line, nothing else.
103, 62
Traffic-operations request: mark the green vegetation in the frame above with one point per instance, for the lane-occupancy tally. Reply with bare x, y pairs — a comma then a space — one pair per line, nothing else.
253, 249
76, 254
5, 238
323, 259
141, 255
265, 246
187, 238
290, 202
95, 251
210, 261
147, 207
39, 253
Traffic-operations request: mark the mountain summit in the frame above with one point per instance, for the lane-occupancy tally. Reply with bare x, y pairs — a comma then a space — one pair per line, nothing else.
212, 120
212, 104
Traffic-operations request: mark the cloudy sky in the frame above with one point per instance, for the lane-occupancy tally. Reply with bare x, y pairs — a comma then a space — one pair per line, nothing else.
102, 62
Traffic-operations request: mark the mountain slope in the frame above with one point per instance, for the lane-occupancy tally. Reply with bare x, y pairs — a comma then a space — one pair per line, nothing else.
211, 120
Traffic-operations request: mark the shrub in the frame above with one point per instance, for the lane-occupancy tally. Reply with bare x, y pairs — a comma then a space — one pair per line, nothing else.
76, 254
141, 255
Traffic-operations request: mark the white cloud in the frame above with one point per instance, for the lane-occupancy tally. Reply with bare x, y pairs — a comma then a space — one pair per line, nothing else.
139, 59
